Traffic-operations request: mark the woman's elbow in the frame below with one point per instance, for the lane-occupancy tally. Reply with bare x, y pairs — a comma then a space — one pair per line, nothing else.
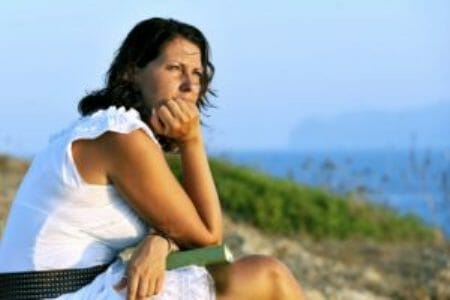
211, 239
214, 242
206, 240
216, 238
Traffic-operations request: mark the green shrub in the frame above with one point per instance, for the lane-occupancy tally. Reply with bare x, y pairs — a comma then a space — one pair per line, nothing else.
282, 206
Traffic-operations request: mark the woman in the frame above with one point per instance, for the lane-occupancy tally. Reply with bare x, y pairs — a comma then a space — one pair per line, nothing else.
102, 184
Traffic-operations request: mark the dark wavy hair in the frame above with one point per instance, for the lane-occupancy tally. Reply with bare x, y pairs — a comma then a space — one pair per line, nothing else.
142, 45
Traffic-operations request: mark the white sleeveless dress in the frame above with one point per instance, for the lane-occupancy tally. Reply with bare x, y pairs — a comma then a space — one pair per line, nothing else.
59, 221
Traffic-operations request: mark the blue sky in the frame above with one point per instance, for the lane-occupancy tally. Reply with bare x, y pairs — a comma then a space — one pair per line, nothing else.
279, 63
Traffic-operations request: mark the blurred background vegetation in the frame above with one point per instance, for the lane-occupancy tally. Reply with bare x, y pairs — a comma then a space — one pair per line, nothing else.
282, 206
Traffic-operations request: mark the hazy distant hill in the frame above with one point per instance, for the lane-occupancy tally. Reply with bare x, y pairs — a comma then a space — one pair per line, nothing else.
425, 127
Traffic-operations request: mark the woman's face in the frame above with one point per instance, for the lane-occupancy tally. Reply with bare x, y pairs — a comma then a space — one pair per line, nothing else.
175, 73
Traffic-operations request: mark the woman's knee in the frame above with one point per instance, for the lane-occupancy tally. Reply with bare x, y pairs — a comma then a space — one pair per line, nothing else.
284, 283
257, 274
249, 272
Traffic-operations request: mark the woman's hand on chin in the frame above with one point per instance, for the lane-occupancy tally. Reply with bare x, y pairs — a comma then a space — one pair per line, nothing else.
177, 119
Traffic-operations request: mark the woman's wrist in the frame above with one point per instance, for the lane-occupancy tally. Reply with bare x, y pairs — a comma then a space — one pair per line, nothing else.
159, 242
193, 139
171, 245
185, 143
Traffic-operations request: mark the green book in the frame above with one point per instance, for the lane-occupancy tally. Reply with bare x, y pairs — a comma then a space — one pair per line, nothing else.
201, 257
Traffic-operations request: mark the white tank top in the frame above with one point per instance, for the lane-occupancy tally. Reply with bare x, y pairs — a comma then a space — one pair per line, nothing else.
59, 221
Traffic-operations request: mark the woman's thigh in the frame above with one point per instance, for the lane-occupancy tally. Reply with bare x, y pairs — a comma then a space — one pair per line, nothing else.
254, 277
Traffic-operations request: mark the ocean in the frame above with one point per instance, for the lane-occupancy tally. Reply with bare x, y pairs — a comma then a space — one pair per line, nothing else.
415, 182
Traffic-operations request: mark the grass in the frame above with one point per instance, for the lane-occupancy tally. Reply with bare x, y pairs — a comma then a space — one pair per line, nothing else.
281, 206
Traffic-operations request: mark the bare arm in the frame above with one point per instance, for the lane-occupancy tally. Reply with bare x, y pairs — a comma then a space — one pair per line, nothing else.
138, 168
199, 184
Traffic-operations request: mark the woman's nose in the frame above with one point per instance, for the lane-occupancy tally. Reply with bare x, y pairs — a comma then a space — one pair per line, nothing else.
188, 84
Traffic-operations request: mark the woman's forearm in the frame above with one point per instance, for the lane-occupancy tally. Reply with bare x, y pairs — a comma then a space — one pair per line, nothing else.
199, 185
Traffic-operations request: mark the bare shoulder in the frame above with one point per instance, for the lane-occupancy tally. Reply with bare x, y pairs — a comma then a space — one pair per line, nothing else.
132, 150
112, 143
95, 158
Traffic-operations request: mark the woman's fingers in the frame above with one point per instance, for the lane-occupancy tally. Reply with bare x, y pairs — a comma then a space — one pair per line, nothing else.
159, 284
175, 118
151, 287
133, 282
157, 125
146, 267
190, 109
177, 110
142, 286
168, 120
145, 287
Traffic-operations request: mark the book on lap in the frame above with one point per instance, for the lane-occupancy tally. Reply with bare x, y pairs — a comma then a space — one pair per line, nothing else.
201, 257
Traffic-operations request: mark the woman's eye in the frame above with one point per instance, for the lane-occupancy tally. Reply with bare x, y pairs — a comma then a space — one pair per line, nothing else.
173, 67
199, 76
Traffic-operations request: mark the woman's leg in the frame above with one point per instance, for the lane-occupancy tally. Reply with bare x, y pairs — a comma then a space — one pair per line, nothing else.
255, 277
